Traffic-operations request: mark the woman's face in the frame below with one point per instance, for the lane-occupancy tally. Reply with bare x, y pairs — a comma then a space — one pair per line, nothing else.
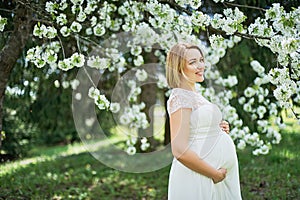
194, 69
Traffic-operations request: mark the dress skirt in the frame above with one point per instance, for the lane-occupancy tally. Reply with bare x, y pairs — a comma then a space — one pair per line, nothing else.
218, 151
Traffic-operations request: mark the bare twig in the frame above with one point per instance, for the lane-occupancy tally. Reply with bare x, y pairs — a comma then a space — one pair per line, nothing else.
62, 46
297, 115
244, 6
85, 70
43, 20
7, 10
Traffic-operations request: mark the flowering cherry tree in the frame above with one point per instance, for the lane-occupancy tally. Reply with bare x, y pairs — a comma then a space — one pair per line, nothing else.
154, 27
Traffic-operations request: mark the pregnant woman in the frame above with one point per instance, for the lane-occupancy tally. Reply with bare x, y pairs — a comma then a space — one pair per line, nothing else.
205, 164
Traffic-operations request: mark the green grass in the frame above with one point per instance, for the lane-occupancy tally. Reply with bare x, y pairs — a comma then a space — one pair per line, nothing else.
273, 176
69, 172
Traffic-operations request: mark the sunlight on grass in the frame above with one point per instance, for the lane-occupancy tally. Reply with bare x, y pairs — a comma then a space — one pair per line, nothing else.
288, 154
48, 154
43, 154
70, 172
290, 119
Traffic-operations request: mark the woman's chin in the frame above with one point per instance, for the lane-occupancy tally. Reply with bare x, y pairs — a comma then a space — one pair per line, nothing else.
200, 80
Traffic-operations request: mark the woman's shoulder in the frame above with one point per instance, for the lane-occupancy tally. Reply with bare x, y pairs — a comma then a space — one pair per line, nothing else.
181, 98
183, 93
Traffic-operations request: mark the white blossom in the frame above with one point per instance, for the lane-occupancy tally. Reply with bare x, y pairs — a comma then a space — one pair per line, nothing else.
65, 31
50, 7
124, 120
40, 31
136, 50
114, 107
99, 30
49, 56
131, 150
39, 63
99, 99
61, 19
74, 84
145, 146
89, 31
65, 64
216, 41
249, 92
65, 84
141, 75
93, 21
77, 60
98, 63
200, 19
77, 2
102, 102
63, 5
81, 16
256, 66
56, 84
138, 61
241, 145
76, 27
78, 96
162, 81
261, 110
242, 100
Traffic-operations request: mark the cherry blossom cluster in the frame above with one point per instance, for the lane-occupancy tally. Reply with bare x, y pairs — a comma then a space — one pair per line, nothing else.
91, 22
131, 142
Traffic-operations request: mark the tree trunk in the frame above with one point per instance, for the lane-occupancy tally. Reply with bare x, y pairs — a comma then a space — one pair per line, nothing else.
148, 96
12, 51
167, 125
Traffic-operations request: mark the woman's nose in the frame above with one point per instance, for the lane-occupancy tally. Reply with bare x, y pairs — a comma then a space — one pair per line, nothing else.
200, 65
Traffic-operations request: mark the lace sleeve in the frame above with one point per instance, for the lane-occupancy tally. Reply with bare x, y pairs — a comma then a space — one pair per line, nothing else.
176, 102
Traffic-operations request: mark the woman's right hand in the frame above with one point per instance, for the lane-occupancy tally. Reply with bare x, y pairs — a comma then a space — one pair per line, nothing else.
220, 176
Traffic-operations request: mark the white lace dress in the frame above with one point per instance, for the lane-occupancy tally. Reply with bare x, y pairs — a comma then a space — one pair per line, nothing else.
211, 144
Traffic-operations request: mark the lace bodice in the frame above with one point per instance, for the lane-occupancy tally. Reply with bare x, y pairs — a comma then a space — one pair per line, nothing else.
181, 98
205, 116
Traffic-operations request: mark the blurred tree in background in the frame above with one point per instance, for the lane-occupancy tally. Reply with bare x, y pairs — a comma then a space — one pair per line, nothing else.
37, 104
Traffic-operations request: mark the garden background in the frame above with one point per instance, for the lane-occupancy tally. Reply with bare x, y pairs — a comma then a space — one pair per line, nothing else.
119, 47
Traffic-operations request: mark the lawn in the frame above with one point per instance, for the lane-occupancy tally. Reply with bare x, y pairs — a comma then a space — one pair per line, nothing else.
69, 172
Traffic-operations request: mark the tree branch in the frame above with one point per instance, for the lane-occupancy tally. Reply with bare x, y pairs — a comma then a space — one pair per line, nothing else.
7, 10
297, 115
37, 10
184, 10
244, 6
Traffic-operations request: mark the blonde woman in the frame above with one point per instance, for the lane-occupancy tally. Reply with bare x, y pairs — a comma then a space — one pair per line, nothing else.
205, 164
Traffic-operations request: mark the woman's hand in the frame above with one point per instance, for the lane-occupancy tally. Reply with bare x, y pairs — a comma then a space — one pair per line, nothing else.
220, 176
225, 126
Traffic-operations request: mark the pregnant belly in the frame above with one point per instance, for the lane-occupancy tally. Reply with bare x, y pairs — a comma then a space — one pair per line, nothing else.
217, 151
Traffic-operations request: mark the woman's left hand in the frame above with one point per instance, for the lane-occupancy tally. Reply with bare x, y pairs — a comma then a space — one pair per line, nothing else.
225, 126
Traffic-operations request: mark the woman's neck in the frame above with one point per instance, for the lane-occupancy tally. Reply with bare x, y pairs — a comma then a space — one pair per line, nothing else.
187, 85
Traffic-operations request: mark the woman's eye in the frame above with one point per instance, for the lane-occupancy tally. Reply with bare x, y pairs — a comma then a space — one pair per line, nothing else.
194, 62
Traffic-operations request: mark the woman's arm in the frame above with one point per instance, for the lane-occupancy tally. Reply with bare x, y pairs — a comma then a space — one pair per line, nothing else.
180, 130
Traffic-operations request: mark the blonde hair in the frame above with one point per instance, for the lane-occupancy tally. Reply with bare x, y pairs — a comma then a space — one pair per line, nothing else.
176, 61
